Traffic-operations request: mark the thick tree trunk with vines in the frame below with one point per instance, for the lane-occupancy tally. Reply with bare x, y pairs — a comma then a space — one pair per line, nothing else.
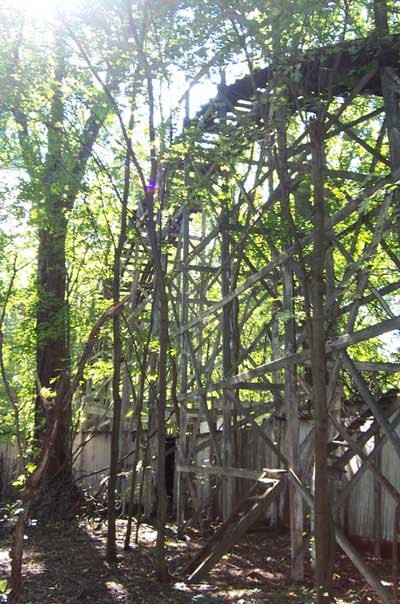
52, 352
52, 343
61, 173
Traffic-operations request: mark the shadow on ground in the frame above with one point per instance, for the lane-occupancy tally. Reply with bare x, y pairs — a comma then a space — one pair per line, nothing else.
64, 564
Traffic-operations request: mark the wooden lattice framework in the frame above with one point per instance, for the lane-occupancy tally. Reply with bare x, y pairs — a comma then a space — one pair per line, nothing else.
274, 227
282, 264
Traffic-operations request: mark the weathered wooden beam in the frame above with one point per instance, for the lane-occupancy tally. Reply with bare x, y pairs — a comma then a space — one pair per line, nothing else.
232, 531
201, 269
265, 476
361, 142
346, 175
362, 335
344, 494
323, 519
362, 387
184, 315
377, 366
368, 574
340, 463
387, 289
228, 453
393, 492
389, 85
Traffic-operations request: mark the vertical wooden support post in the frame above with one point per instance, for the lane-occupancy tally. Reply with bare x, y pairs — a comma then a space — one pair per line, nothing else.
228, 490
184, 354
390, 94
126, 427
395, 554
149, 472
377, 505
324, 537
212, 510
228, 481
292, 415
335, 396
290, 376
276, 427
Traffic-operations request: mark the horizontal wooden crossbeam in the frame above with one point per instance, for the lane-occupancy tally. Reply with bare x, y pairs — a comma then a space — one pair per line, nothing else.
263, 476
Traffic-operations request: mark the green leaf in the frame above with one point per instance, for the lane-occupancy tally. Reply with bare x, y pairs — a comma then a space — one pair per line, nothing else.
20, 481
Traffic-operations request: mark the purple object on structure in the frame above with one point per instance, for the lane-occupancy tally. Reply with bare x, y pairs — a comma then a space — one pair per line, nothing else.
151, 186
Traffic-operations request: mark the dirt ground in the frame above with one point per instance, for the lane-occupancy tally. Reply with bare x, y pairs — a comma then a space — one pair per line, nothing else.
64, 564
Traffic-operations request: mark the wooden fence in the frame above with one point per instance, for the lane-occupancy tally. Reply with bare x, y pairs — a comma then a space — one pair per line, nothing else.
92, 451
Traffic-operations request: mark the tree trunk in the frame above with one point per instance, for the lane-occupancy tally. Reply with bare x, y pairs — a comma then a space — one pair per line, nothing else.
52, 344
52, 351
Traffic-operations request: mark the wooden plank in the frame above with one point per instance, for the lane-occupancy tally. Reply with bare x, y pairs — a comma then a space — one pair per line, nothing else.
362, 335
368, 574
215, 538
353, 309
341, 500
351, 134
228, 454
266, 476
347, 175
184, 310
322, 517
200, 268
371, 402
378, 366
363, 438
230, 538
391, 489
377, 505
290, 379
